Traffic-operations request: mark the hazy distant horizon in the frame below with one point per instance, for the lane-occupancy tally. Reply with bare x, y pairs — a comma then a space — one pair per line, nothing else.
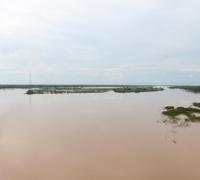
95, 85
100, 42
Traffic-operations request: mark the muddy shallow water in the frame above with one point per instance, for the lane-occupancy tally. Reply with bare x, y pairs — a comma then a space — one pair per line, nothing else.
105, 136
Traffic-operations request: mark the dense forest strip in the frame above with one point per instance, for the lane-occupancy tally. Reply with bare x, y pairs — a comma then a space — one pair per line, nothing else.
194, 89
62, 90
28, 86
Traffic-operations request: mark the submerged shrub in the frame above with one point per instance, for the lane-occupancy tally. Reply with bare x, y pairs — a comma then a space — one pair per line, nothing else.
189, 112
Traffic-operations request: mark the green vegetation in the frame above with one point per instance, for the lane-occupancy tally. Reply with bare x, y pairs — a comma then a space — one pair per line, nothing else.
66, 90
45, 91
192, 113
194, 89
137, 89
88, 90
196, 104
169, 107
130, 89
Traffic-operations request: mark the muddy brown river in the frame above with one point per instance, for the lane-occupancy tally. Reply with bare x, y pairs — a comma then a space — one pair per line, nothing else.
106, 136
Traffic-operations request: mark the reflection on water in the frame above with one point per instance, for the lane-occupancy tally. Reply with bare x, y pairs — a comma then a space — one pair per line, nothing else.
175, 125
96, 136
30, 101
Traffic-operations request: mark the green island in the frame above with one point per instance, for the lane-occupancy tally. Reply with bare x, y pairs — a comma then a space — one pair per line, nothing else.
191, 114
194, 89
134, 89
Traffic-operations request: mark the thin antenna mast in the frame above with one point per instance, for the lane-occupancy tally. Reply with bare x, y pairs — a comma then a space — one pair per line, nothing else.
30, 80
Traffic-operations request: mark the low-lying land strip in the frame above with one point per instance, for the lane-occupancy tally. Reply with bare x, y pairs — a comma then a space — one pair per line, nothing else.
194, 89
135, 89
191, 113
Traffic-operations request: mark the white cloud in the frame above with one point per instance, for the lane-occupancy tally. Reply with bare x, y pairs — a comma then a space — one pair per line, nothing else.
98, 40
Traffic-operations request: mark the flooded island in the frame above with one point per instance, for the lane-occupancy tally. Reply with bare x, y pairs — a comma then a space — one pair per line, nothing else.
61, 90
191, 113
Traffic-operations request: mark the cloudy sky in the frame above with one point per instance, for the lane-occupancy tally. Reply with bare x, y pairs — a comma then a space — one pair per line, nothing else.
100, 41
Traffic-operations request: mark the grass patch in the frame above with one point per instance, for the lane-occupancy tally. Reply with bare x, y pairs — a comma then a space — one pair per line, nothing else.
169, 107
190, 112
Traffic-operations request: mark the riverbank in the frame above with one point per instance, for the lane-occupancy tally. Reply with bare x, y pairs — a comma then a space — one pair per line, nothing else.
194, 89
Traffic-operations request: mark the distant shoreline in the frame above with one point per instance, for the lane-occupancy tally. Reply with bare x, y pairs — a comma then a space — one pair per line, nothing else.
58, 90
26, 86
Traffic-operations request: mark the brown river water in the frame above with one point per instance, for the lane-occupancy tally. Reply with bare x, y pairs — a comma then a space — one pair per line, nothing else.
106, 136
